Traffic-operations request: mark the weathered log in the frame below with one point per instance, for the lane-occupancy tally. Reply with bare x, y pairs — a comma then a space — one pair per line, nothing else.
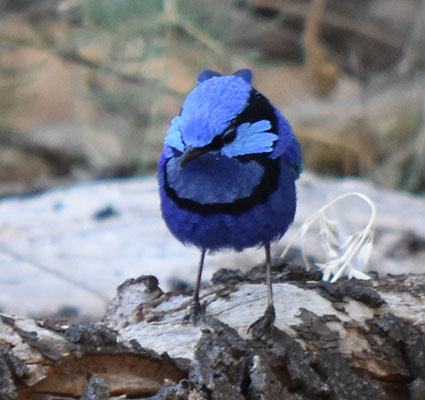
347, 340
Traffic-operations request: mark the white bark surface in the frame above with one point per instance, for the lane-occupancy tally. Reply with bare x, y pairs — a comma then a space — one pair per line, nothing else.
143, 342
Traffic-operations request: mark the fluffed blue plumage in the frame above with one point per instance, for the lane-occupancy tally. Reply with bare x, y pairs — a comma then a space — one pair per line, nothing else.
228, 169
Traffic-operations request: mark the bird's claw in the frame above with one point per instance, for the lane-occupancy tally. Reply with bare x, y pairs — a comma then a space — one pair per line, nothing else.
264, 323
197, 313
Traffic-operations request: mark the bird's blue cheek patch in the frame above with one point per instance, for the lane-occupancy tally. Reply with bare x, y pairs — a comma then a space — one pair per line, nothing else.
173, 138
251, 139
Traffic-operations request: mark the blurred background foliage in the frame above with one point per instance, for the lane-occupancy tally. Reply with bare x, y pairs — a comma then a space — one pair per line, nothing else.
88, 87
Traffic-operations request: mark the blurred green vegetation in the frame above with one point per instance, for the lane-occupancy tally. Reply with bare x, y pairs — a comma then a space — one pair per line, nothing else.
349, 76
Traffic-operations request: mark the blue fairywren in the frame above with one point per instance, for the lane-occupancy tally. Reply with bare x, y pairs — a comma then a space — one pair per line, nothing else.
228, 169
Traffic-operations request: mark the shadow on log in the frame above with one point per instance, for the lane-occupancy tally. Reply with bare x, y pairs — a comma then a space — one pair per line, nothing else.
348, 340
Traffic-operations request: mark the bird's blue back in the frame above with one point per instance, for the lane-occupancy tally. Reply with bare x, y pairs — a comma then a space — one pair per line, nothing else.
238, 188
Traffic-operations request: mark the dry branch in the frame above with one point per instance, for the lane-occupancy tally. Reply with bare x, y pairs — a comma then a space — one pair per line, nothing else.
348, 340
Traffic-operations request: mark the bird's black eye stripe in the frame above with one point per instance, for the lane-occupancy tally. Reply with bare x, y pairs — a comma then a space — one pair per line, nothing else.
228, 136
257, 109
220, 140
216, 144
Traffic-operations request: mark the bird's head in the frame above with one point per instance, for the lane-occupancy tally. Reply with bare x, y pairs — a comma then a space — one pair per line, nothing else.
223, 114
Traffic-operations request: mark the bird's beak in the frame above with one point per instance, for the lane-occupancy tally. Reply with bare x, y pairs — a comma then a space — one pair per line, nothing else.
190, 154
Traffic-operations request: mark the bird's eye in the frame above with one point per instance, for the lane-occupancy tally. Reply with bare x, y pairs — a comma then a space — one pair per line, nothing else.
228, 137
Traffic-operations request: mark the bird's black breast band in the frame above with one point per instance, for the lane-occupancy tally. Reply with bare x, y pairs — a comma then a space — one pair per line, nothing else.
257, 109
260, 194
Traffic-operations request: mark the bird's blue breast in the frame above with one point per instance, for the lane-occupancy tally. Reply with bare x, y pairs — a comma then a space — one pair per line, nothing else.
238, 225
213, 179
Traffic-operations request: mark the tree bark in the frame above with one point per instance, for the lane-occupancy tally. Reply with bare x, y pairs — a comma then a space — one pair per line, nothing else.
347, 340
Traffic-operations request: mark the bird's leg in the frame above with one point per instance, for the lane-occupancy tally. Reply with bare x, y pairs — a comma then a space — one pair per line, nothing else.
196, 308
269, 276
267, 320
269, 313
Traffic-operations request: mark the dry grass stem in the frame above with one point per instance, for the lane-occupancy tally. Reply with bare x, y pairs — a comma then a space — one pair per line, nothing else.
347, 257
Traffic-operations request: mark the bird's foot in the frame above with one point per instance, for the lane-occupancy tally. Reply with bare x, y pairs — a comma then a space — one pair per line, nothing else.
264, 323
197, 313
